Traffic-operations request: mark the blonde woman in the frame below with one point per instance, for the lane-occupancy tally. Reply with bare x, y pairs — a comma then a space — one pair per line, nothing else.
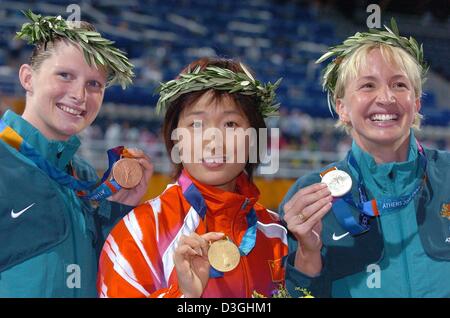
389, 231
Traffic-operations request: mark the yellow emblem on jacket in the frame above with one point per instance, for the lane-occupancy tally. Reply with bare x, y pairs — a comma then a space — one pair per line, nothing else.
445, 211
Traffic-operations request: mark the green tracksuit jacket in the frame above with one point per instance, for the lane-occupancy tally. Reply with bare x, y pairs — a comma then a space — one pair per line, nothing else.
405, 253
50, 239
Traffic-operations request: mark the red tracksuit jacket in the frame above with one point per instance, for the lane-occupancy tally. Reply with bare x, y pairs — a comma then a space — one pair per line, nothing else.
137, 258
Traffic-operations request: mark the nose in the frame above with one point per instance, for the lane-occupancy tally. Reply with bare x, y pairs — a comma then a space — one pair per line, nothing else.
385, 96
78, 92
213, 139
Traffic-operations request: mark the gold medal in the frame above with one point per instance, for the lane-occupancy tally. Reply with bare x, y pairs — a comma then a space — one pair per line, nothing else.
224, 255
127, 172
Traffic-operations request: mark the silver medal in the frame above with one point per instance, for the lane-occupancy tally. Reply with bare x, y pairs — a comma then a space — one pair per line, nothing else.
339, 182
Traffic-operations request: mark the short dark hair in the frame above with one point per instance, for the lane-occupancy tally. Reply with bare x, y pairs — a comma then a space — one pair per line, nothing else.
248, 104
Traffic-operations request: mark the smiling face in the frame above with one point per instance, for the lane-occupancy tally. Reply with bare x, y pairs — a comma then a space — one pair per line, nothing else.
220, 114
64, 94
379, 104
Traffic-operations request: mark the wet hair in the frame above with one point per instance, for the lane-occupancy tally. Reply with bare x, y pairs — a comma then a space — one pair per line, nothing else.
247, 104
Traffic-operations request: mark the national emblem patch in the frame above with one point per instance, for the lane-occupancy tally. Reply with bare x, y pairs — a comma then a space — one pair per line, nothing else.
445, 211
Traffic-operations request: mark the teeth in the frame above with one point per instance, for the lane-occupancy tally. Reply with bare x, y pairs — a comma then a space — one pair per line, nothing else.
69, 110
214, 160
383, 117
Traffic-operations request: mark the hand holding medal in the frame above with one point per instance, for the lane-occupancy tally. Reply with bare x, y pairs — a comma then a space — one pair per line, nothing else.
191, 260
303, 214
132, 172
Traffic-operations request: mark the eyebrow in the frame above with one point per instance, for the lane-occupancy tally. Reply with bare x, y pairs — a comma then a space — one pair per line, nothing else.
64, 68
60, 68
227, 112
193, 113
231, 112
373, 78
363, 78
399, 76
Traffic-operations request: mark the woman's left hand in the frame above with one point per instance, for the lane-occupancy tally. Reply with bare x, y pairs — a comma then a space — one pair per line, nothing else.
133, 197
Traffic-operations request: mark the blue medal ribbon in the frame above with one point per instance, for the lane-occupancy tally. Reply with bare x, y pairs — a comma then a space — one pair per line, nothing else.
375, 207
91, 190
196, 200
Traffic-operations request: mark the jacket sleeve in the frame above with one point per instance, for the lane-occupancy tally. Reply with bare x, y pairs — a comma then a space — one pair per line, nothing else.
319, 286
107, 215
130, 263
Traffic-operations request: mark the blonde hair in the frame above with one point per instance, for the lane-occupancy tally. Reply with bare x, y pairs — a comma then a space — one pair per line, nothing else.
351, 65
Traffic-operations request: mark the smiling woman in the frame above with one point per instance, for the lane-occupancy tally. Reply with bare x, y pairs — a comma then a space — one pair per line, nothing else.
380, 103
53, 227
220, 113
205, 235
64, 93
396, 192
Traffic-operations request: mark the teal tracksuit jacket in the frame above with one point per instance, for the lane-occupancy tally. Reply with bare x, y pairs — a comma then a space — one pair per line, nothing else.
405, 253
50, 239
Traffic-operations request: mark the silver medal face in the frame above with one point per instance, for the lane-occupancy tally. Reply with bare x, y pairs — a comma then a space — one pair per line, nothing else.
339, 182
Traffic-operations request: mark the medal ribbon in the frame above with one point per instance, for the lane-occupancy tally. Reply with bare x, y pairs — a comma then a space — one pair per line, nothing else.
196, 200
374, 207
91, 190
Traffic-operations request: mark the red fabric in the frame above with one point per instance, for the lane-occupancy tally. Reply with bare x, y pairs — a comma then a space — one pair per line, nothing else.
137, 256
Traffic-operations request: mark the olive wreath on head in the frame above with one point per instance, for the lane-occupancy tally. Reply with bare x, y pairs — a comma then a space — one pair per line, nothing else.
389, 36
96, 49
213, 77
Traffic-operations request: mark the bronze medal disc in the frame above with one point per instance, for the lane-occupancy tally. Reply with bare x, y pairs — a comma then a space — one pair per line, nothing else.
224, 255
127, 172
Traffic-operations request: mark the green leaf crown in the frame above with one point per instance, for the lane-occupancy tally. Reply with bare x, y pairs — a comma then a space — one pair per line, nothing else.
213, 77
389, 36
97, 50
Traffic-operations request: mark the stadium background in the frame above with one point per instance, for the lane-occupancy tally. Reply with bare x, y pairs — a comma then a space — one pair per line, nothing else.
276, 38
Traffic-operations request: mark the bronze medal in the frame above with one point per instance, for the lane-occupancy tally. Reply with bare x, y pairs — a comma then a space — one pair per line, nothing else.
224, 255
127, 172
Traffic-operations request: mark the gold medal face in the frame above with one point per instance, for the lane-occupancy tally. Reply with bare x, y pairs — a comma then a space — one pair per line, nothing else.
127, 172
224, 255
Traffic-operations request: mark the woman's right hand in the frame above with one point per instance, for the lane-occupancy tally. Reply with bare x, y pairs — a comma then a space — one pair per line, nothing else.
192, 264
303, 214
